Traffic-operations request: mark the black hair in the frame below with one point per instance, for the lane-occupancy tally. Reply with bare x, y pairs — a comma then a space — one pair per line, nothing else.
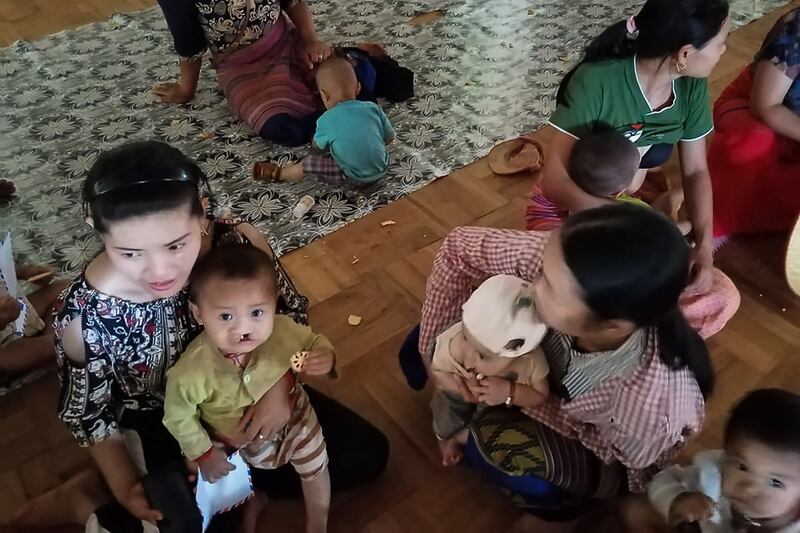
141, 178
768, 416
233, 261
664, 27
603, 164
632, 263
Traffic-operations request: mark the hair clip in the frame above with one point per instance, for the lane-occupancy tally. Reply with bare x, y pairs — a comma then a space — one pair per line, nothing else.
112, 183
630, 25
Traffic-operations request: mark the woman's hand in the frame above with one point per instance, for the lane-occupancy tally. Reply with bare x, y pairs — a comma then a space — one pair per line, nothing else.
9, 310
315, 52
172, 93
268, 415
136, 503
319, 362
215, 465
492, 390
702, 261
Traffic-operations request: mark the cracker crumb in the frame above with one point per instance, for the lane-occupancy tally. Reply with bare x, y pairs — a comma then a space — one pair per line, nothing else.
354, 320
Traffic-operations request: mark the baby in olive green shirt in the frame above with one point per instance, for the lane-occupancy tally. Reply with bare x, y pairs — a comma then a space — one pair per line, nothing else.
245, 350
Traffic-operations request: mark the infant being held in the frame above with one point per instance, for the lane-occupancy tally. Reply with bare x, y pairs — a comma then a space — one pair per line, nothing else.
493, 355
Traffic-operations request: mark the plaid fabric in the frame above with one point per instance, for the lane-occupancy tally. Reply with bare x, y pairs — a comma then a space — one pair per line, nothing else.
640, 420
520, 446
323, 166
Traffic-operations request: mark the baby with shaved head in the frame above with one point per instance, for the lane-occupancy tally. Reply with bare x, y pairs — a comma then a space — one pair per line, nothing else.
349, 146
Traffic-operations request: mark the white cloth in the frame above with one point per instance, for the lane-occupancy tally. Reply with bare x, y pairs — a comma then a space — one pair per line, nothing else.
501, 318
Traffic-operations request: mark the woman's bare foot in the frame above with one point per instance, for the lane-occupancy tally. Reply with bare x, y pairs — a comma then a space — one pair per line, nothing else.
71, 503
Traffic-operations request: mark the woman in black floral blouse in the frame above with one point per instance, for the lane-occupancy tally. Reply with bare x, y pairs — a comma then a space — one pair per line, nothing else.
125, 321
263, 52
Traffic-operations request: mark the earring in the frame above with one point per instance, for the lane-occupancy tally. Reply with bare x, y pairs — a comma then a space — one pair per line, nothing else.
680, 66
203, 229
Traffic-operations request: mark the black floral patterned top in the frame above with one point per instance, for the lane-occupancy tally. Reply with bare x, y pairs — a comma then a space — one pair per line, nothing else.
782, 48
216, 25
130, 346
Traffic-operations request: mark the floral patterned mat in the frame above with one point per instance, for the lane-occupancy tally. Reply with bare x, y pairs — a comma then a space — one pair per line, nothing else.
484, 72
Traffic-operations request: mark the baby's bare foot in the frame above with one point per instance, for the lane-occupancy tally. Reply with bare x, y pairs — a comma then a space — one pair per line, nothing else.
451, 451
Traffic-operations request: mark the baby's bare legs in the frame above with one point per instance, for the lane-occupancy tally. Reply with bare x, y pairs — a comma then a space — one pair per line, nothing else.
317, 496
452, 448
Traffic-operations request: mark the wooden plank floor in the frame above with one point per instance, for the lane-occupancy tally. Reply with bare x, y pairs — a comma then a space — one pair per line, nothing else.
760, 346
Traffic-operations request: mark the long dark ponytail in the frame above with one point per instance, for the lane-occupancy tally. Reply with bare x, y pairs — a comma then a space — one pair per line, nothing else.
632, 263
664, 27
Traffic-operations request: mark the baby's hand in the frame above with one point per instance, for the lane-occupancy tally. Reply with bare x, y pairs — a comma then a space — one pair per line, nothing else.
215, 465
690, 507
493, 390
319, 362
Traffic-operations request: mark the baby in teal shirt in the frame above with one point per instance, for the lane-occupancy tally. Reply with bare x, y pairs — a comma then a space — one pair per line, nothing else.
349, 147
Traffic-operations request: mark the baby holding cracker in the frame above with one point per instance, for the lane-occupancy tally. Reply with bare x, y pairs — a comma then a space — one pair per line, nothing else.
496, 344
243, 352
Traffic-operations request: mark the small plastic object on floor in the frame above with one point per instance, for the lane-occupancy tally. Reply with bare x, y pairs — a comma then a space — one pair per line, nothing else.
303, 207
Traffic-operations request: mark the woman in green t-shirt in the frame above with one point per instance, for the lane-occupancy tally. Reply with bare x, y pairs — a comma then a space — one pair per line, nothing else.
645, 78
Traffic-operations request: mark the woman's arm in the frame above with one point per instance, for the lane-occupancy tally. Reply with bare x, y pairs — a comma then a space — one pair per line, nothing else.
466, 258
109, 453
557, 186
183, 21
770, 86
314, 50
697, 191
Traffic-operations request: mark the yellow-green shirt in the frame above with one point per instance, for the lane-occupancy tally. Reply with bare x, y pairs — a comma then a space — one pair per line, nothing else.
203, 385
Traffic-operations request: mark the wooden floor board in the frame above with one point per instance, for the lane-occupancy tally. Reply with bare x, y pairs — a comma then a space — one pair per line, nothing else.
378, 272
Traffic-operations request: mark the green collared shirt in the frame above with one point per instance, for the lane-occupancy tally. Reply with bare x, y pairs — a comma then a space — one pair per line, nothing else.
203, 385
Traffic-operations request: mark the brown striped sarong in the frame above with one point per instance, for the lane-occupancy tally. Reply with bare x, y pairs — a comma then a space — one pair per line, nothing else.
300, 443
268, 78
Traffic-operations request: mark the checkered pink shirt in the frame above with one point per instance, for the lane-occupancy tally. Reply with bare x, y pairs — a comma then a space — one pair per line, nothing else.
641, 420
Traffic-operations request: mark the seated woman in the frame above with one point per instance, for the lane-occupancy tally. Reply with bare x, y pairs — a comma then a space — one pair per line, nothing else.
754, 158
263, 51
628, 373
125, 321
646, 79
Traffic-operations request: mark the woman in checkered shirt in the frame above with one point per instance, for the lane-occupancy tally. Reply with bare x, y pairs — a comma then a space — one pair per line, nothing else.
629, 372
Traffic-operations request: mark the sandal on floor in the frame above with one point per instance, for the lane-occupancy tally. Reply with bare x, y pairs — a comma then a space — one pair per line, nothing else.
514, 156
265, 171
7, 190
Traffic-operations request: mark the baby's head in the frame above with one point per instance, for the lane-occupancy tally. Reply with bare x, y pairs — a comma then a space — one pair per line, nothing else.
499, 318
603, 164
761, 475
234, 291
336, 81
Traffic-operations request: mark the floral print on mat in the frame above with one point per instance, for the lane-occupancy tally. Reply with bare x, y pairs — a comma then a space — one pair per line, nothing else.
484, 72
